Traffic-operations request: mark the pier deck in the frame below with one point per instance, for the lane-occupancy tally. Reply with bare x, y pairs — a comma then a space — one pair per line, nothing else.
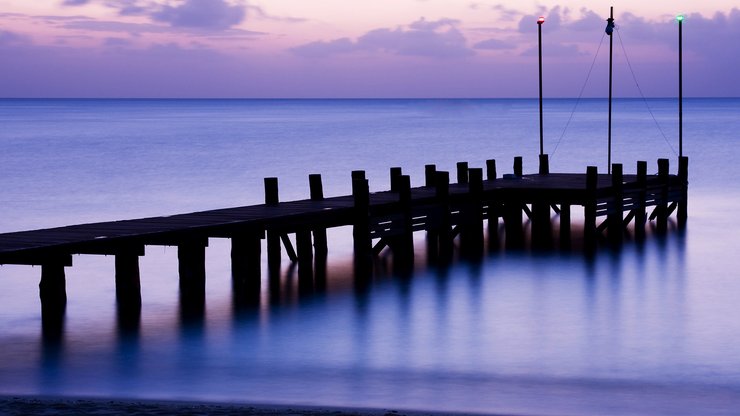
379, 220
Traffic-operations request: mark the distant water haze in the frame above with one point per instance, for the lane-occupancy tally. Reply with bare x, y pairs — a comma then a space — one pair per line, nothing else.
649, 330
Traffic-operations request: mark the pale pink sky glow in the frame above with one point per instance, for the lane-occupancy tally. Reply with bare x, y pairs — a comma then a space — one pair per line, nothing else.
354, 49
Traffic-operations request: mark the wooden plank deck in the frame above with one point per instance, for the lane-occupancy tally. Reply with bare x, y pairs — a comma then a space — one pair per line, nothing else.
33, 247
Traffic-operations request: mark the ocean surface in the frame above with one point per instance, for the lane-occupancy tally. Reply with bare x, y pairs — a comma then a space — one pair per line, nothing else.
651, 329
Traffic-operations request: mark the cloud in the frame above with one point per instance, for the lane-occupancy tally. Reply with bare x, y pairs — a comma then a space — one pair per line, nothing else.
194, 14
203, 14
321, 49
10, 38
437, 39
495, 44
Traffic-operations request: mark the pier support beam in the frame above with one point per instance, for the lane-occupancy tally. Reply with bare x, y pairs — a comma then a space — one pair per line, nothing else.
403, 244
361, 226
541, 226
683, 202
128, 288
444, 230
615, 217
274, 252
640, 204
471, 235
494, 209
191, 255
589, 209
565, 234
662, 208
305, 259
246, 268
53, 295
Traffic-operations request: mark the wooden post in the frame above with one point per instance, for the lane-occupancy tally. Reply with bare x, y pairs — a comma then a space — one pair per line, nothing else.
493, 209
403, 245
491, 169
358, 175
246, 267
640, 214
683, 202
430, 172
442, 187
589, 209
471, 237
541, 225
128, 281
615, 214
565, 226
462, 172
319, 234
361, 228
305, 259
518, 168
53, 295
663, 166
544, 165
274, 252
396, 173
191, 256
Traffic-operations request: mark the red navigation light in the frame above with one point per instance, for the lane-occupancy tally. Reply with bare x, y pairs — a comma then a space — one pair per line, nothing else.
541, 20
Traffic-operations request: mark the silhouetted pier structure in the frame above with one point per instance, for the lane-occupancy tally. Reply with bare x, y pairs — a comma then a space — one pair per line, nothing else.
443, 209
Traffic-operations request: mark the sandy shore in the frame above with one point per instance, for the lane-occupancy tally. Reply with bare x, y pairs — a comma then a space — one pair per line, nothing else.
56, 406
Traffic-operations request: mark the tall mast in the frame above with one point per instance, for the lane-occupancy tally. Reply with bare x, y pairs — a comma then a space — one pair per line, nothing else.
680, 85
540, 21
609, 30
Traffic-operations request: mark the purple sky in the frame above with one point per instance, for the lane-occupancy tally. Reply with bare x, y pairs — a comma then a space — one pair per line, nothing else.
385, 48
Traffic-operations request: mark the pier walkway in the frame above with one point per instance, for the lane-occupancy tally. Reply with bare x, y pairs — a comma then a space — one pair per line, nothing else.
380, 219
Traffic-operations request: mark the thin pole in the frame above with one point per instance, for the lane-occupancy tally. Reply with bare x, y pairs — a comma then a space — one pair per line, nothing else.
680, 87
539, 31
611, 42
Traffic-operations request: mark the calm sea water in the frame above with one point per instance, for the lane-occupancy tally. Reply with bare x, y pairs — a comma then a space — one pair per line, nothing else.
652, 329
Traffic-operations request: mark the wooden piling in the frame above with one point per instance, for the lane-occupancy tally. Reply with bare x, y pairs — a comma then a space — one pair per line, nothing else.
640, 207
614, 216
320, 242
395, 173
462, 172
541, 225
544, 164
444, 229
430, 172
565, 234
128, 279
403, 244
361, 227
683, 202
53, 295
662, 208
246, 268
491, 169
305, 259
493, 209
274, 252
589, 209
471, 236
518, 166
191, 256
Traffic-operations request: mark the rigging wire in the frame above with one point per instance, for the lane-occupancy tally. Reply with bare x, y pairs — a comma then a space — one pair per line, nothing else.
643, 95
578, 100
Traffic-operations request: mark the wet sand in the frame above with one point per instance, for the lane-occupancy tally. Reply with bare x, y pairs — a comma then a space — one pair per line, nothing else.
56, 406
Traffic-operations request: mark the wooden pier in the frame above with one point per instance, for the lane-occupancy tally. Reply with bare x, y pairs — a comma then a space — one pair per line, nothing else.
445, 210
